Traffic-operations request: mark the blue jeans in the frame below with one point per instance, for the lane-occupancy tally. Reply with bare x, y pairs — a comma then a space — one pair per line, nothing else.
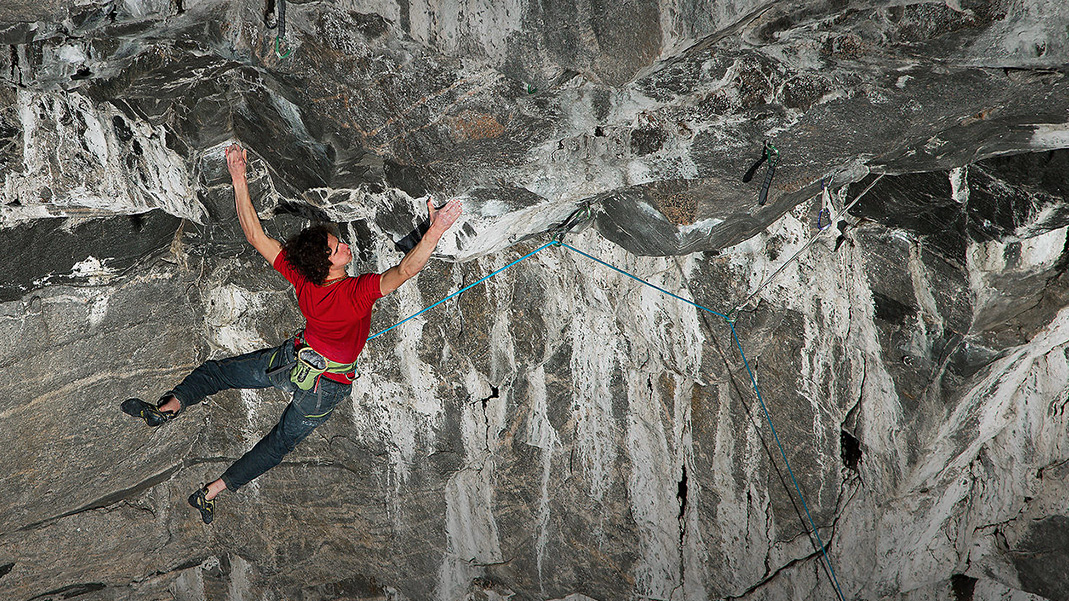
262, 369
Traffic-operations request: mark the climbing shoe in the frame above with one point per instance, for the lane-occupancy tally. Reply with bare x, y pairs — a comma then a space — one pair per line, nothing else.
199, 502
151, 414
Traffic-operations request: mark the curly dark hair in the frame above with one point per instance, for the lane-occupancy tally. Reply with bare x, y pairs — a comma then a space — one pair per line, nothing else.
308, 252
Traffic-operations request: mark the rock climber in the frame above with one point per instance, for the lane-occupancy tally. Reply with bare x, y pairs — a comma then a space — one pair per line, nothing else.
317, 366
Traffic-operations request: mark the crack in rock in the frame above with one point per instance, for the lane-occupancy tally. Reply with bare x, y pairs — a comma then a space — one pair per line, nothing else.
109, 499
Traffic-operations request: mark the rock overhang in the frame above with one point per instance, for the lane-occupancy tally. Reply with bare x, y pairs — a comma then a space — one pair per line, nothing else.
113, 118
364, 105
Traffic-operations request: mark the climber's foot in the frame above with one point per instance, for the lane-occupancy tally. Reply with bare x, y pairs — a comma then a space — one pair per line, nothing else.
200, 502
151, 414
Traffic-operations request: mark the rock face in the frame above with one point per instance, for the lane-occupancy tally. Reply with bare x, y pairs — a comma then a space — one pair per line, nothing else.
561, 431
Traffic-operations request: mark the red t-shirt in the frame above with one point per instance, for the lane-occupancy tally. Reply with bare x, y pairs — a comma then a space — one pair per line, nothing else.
338, 316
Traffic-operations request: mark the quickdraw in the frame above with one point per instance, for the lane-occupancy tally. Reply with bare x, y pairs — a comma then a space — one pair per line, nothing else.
771, 154
578, 220
824, 216
279, 24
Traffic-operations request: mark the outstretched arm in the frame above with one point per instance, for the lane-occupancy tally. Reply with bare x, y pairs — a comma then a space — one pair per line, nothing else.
417, 258
236, 158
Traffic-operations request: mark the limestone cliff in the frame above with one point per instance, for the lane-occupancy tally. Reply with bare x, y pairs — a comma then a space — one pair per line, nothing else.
560, 431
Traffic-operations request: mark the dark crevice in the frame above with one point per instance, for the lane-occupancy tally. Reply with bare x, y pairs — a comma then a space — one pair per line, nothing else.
122, 130
5, 569
302, 210
412, 238
495, 392
270, 17
963, 587
110, 499
16, 73
185, 565
208, 460
71, 591
180, 6
773, 575
681, 494
849, 450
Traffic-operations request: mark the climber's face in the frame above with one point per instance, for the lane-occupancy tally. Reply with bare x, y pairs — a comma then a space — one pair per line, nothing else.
340, 255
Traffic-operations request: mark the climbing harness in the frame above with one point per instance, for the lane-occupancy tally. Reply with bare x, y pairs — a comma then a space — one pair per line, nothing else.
309, 364
768, 153
279, 24
729, 318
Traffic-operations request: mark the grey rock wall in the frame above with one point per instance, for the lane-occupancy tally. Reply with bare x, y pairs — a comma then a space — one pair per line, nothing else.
561, 431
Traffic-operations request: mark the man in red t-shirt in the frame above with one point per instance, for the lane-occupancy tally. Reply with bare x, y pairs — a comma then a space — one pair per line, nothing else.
337, 309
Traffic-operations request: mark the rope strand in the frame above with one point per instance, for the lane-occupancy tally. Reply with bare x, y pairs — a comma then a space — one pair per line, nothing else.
769, 279
465, 288
811, 527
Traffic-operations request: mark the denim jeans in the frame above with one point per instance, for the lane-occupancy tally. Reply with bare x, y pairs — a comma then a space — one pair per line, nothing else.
260, 369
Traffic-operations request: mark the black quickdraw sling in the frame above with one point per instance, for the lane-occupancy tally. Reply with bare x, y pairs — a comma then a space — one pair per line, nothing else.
771, 154
279, 24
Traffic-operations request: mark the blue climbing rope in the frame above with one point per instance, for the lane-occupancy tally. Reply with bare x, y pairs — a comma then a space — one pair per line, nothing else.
798, 489
465, 288
638, 279
753, 382
738, 345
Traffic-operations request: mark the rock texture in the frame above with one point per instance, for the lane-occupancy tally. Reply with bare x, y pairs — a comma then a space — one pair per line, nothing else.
562, 431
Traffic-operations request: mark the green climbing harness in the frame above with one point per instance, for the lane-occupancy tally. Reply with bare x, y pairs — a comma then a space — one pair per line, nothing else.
309, 364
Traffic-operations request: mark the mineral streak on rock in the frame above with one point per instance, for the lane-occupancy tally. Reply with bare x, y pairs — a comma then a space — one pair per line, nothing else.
560, 431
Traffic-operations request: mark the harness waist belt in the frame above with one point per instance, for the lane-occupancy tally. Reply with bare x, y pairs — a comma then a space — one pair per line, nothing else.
328, 366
